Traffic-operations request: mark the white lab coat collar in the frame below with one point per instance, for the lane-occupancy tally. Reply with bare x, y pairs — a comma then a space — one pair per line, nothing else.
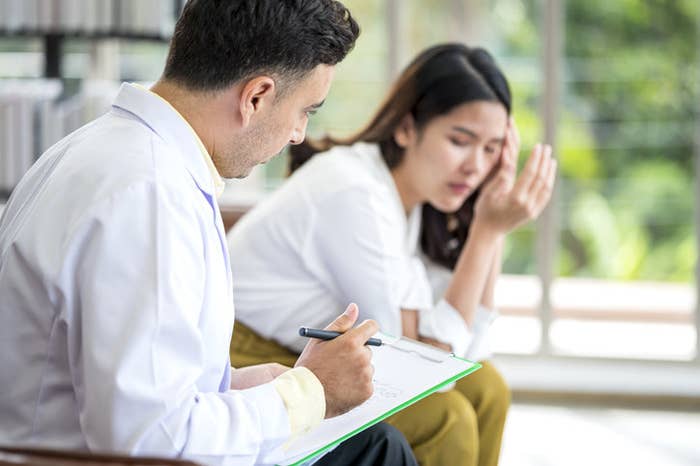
164, 120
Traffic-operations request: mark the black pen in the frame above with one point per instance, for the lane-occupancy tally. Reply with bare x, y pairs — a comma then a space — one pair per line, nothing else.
329, 335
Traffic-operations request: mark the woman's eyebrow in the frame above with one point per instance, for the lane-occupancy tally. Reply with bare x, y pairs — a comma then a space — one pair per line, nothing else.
467, 131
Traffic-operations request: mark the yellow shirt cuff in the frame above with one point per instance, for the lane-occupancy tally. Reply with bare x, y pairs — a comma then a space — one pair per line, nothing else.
304, 398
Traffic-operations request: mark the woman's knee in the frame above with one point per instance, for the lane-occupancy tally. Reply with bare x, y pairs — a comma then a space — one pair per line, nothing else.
486, 388
438, 419
465, 416
456, 439
498, 392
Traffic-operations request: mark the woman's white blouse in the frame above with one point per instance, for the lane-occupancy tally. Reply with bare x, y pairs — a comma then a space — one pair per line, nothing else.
334, 233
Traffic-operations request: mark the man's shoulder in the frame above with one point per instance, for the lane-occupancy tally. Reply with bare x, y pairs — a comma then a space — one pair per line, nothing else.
116, 150
120, 140
107, 162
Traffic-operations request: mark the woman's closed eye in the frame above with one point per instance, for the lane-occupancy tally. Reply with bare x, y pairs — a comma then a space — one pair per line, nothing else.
460, 142
493, 149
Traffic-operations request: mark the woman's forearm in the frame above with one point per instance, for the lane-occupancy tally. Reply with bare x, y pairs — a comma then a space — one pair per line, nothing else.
488, 296
409, 323
473, 271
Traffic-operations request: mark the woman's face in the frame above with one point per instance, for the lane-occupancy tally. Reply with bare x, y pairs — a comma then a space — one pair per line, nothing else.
453, 153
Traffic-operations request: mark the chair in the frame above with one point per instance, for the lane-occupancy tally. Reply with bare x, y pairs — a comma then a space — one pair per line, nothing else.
43, 457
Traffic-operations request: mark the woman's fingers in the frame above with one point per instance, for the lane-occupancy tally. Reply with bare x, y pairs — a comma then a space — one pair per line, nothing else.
516, 137
506, 138
531, 189
516, 132
545, 193
497, 184
540, 177
511, 149
510, 202
504, 170
509, 157
528, 175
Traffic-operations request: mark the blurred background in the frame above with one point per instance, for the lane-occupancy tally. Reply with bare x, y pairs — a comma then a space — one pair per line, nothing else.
599, 329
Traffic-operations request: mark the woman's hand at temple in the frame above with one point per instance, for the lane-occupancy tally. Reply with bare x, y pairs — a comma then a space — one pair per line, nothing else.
505, 202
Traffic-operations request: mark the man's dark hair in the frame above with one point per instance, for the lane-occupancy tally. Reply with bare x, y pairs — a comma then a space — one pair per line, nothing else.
220, 42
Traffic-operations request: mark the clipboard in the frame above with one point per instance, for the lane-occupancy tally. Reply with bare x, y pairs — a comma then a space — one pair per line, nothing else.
406, 371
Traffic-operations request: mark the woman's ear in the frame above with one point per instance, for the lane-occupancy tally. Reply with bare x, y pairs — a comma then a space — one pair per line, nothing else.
405, 132
255, 94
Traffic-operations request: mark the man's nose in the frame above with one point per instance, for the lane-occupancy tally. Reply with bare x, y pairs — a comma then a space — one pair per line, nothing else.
298, 135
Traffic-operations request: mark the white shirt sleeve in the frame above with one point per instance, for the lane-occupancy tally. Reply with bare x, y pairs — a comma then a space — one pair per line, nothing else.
147, 380
480, 347
444, 323
363, 257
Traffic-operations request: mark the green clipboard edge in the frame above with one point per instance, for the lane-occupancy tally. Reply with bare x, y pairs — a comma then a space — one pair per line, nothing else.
476, 366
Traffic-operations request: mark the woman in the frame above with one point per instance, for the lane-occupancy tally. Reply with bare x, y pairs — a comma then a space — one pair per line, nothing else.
425, 192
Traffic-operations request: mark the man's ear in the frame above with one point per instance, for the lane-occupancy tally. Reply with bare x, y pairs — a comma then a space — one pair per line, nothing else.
405, 132
255, 95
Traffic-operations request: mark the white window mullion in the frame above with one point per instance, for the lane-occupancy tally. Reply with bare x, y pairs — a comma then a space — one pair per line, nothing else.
697, 201
548, 224
393, 16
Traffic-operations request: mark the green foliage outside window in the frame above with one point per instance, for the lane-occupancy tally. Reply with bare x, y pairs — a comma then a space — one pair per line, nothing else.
627, 120
626, 139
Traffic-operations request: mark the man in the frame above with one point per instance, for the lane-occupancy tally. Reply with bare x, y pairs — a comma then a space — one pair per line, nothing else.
116, 288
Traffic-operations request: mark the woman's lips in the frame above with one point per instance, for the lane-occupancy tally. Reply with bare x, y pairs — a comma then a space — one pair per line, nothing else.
459, 188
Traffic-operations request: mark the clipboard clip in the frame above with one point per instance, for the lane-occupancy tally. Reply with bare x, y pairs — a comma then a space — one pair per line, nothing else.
422, 350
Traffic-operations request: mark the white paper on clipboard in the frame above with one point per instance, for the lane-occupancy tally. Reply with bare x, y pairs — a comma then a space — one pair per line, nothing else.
405, 372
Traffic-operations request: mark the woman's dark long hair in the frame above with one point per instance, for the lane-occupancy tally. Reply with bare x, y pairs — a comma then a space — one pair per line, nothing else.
436, 81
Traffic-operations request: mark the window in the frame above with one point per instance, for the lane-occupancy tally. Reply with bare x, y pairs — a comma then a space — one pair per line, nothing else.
625, 136
609, 271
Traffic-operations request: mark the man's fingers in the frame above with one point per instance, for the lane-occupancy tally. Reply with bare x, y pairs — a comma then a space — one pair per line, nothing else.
363, 332
346, 320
